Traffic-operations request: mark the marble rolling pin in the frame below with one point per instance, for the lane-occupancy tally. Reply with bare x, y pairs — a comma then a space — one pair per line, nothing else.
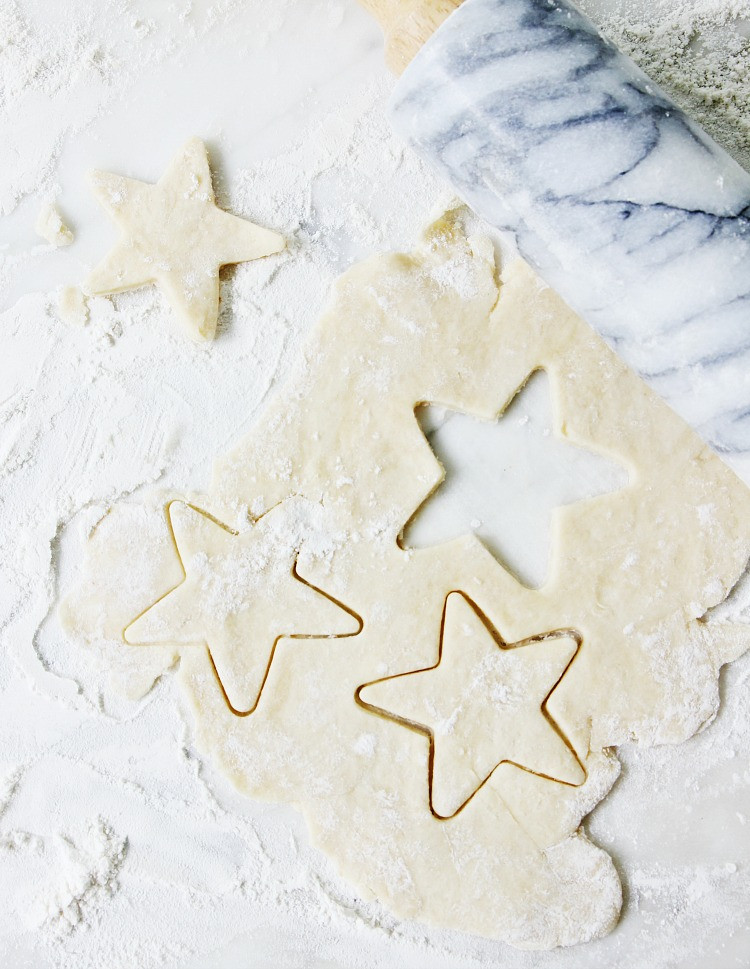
620, 201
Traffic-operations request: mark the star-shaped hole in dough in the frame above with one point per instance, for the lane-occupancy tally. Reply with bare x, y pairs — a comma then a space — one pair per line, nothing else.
241, 594
173, 234
505, 478
483, 704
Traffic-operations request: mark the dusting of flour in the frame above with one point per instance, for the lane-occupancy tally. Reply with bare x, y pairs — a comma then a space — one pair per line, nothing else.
118, 846
697, 50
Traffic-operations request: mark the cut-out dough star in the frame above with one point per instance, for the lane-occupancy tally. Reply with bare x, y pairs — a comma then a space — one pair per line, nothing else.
483, 704
503, 480
240, 595
173, 234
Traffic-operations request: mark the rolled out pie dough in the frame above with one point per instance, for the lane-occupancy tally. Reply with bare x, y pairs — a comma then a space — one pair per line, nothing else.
632, 576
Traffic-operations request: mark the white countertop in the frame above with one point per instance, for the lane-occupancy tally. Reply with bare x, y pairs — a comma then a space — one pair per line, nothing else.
293, 92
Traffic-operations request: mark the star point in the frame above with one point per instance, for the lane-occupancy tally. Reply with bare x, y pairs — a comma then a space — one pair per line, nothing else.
481, 705
173, 234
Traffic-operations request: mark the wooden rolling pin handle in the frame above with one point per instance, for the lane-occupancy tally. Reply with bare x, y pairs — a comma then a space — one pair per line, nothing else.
407, 24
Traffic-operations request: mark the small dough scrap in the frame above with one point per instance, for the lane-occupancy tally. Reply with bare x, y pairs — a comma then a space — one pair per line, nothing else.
173, 234
50, 226
633, 575
73, 306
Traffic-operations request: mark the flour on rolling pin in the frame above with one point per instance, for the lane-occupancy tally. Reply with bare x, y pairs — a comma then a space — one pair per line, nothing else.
622, 203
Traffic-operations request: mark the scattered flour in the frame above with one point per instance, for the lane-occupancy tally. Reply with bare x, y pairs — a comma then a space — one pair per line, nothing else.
83, 877
697, 50
117, 846
69, 61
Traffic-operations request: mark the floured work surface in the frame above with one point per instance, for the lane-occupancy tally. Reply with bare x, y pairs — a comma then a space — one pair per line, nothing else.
339, 463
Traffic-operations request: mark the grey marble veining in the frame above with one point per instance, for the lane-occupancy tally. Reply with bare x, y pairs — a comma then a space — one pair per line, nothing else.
626, 207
